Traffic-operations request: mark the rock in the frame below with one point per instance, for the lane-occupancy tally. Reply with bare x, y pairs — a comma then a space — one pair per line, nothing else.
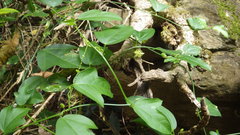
224, 77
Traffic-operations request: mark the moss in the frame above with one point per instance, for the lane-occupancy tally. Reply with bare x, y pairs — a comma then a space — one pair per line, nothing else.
230, 16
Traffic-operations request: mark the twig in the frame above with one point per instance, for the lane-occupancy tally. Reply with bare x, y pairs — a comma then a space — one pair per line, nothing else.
15, 83
36, 113
124, 123
186, 90
202, 123
129, 13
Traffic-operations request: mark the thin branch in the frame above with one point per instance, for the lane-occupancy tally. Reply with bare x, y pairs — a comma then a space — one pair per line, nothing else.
36, 113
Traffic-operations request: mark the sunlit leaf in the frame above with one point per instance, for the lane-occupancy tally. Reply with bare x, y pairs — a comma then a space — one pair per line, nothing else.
191, 50
7, 11
222, 30
216, 133
158, 7
51, 3
114, 35
197, 23
178, 54
10, 118
98, 15
73, 124
195, 62
91, 85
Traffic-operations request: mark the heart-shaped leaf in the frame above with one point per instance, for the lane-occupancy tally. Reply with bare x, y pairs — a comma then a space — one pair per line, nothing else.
114, 35
90, 56
28, 89
98, 15
73, 124
51, 3
91, 85
10, 118
197, 23
144, 34
58, 54
158, 7
151, 111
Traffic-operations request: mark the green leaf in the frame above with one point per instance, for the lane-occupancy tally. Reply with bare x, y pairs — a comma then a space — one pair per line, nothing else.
178, 54
158, 7
28, 88
169, 116
73, 124
144, 34
35, 98
151, 111
169, 52
51, 3
31, 6
60, 55
56, 83
98, 15
13, 60
3, 70
89, 84
214, 133
90, 56
114, 35
213, 109
197, 23
11, 118
37, 13
222, 30
191, 50
7, 18
195, 62
4, 11
79, 1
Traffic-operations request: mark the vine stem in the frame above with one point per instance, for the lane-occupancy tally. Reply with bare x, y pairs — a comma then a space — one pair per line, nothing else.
67, 110
109, 66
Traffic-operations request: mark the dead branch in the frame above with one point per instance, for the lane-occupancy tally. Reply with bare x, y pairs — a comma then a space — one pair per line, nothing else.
202, 123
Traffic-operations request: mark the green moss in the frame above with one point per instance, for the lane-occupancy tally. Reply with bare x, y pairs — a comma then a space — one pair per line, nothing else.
230, 16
